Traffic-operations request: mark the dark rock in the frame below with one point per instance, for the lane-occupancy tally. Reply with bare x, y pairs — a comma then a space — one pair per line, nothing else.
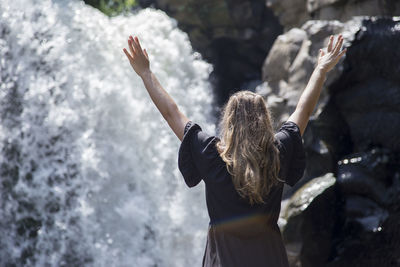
351, 220
320, 227
365, 212
366, 174
309, 222
369, 96
332, 130
369, 234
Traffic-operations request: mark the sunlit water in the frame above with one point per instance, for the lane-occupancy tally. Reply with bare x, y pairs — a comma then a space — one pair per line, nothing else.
88, 166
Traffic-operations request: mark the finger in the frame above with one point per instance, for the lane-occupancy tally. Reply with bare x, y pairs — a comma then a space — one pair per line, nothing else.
321, 53
145, 53
138, 43
134, 45
339, 47
131, 48
338, 44
330, 44
127, 54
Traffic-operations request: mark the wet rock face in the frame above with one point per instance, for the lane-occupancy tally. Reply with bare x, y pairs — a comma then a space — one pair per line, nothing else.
351, 220
295, 13
369, 233
235, 36
368, 92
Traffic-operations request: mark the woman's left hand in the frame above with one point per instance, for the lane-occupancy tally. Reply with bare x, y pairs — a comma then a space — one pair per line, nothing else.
138, 57
328, 60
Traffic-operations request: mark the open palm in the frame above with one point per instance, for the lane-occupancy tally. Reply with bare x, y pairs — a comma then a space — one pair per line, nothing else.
138, 57
328, 60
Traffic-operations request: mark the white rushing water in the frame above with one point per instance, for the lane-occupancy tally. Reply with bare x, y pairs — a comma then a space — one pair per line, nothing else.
88, 166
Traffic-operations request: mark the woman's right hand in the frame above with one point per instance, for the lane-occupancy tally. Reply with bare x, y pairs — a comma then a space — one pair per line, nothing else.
137, 57
328, 60
309, 98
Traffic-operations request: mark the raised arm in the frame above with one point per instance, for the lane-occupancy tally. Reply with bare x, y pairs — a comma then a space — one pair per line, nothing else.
310, 95
139, 60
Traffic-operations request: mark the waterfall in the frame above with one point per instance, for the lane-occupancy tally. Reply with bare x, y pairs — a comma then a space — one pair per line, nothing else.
88, 166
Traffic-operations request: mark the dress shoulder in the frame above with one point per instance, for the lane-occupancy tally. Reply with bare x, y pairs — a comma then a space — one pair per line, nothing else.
196, 152
292, 154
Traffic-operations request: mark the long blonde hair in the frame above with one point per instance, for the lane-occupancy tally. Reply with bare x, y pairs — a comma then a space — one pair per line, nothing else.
247, 145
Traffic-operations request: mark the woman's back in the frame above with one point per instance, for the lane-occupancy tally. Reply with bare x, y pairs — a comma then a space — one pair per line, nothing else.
240, 233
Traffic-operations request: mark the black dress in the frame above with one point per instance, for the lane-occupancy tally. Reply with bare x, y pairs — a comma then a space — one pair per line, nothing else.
240, 234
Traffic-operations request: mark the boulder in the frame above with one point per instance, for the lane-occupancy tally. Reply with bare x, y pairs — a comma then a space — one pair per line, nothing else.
308, 221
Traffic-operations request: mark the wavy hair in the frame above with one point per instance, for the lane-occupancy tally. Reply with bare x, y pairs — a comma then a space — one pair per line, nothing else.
247, 145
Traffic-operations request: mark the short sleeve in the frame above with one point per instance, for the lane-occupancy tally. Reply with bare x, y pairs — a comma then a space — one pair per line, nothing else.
195, 153
292, 154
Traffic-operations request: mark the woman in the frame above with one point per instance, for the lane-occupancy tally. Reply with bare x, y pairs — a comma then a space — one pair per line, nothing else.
244, 170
